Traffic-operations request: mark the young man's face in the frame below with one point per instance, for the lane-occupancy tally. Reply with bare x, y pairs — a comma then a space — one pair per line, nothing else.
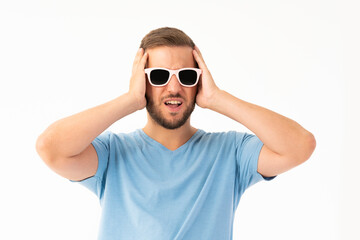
160, 99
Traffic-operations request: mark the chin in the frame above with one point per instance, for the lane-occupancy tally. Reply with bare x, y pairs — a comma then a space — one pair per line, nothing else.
173, 121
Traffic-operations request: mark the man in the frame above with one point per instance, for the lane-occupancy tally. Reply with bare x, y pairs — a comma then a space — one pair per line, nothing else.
170, 180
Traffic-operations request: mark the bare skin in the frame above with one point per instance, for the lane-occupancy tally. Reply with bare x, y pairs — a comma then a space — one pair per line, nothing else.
171, 58
66, 147
286, 143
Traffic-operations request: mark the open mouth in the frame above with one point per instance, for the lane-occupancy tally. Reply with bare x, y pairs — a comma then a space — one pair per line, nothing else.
173, 104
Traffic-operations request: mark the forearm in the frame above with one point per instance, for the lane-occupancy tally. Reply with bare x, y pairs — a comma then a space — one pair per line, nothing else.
70, 136
280, 134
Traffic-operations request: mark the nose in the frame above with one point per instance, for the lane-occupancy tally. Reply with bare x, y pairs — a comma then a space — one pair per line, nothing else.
173, 85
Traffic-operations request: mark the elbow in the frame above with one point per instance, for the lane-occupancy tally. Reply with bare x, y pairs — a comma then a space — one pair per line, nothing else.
40, 144
311, 142
43, 148
308, 146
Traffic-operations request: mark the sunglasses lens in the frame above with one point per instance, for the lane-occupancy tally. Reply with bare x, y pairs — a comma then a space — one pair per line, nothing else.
188, 77
159, 76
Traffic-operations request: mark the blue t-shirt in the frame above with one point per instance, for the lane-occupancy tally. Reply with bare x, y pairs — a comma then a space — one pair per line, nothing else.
147, 191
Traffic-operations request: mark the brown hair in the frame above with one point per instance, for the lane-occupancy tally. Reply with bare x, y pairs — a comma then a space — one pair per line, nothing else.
166, 36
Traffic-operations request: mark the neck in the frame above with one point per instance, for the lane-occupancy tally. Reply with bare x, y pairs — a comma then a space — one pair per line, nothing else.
169, 138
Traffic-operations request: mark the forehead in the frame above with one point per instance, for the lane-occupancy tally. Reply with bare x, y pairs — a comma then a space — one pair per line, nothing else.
171, 57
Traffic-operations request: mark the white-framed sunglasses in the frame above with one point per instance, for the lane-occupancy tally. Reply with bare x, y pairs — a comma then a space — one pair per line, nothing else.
187, 77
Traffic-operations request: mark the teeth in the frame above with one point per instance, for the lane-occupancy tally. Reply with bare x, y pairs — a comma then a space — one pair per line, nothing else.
173, 102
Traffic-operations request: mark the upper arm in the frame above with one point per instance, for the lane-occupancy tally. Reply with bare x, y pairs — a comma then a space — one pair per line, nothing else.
79, 167
272, 164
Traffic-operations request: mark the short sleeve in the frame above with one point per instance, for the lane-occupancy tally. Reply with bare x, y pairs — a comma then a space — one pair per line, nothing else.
96, 182
248, 147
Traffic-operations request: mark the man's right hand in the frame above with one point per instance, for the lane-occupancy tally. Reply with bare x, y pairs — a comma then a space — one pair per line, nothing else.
137, 87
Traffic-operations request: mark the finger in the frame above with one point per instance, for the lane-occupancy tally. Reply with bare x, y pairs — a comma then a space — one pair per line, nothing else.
199, 53
143, 61
138, 57
139, 71
199, 59
198, 50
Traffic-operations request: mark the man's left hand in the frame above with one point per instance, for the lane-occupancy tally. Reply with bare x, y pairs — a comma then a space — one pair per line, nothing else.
207, 89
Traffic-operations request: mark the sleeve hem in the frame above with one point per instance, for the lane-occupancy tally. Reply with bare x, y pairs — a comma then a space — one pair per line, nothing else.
257, 162
100, 167
101, 159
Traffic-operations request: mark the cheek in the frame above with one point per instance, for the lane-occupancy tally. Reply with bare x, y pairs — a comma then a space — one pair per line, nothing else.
192, 93
153, 93
148, 91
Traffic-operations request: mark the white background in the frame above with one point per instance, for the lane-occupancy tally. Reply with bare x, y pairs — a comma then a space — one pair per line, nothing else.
298, 58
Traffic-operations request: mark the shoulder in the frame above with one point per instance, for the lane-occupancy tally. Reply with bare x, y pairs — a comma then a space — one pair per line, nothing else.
110, 138
225, 135
228, 137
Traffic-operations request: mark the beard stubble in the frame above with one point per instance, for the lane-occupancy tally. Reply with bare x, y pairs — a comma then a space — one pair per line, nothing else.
159, 118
